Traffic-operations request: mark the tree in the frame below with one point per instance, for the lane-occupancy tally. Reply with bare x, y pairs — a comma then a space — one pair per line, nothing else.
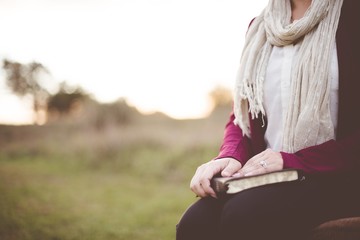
28, 80
221, 97
116, 113
65, 100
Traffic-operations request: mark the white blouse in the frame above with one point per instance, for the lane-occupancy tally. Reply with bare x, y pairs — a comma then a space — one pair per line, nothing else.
277, 92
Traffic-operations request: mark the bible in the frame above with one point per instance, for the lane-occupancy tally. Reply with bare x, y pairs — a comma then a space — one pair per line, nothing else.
231, 185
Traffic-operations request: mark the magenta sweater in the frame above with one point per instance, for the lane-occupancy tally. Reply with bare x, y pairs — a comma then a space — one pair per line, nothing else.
330, 156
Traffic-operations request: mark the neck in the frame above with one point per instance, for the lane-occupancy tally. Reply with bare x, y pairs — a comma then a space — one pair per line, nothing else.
298, 8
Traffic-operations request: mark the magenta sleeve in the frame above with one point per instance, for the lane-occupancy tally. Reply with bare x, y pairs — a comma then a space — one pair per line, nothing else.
235, 145
331, 156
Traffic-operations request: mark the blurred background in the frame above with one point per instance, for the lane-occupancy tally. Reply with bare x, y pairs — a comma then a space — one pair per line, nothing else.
106, 109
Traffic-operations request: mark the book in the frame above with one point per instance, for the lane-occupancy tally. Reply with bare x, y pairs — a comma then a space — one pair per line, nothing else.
231, 185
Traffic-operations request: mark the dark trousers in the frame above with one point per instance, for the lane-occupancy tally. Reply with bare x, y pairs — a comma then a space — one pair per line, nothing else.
278, 211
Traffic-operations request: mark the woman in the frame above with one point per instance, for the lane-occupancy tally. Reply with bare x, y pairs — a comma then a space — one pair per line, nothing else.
295, 106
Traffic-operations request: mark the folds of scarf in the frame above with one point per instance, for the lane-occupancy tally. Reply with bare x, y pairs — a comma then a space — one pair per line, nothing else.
307, 120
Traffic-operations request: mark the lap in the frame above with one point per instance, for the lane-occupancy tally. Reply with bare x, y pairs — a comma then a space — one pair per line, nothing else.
273, 209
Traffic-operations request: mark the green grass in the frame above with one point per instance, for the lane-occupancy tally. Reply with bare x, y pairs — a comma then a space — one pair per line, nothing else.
88, 176
67, 182
134, 193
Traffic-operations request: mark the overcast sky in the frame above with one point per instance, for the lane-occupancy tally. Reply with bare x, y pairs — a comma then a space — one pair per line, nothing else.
161, 55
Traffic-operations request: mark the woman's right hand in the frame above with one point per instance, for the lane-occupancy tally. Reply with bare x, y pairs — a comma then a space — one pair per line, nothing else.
200, 183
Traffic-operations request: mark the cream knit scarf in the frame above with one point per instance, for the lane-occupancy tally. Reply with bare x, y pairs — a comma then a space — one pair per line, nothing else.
307, 120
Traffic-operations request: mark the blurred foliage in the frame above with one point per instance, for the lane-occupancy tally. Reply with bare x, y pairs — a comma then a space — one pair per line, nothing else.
66, 101
118, 113
28, 79
222, 102
221, 97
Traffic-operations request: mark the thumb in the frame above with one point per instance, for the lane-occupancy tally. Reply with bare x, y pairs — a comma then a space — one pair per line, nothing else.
232, 167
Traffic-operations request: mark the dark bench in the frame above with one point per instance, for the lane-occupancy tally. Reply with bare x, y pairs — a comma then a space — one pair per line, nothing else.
341, 229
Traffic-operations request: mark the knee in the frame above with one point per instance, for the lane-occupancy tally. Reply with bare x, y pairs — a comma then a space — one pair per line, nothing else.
186, 226
236, 219
247, 217
199, 221
242, 209
195, 229
190, 228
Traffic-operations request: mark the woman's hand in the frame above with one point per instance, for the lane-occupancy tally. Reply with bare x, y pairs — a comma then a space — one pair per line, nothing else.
200, 183
266, 161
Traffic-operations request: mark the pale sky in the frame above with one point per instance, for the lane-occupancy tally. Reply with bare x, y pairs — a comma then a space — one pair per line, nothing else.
161, 55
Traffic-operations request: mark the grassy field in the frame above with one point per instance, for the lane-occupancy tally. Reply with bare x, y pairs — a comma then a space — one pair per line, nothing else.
121, 182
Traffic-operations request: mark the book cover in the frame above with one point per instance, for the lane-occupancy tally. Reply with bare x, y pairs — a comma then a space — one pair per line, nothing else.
231, 185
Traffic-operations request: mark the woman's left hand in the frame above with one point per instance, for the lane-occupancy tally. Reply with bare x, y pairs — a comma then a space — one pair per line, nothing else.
266, 161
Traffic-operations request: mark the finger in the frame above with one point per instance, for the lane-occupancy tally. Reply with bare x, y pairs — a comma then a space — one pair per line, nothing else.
200, 183
254, 167
205, 180
253, 170
231, 168
197, 188
200, 191
195, 181
206, 188
261, 170
254, 162
251, 166
256, 171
